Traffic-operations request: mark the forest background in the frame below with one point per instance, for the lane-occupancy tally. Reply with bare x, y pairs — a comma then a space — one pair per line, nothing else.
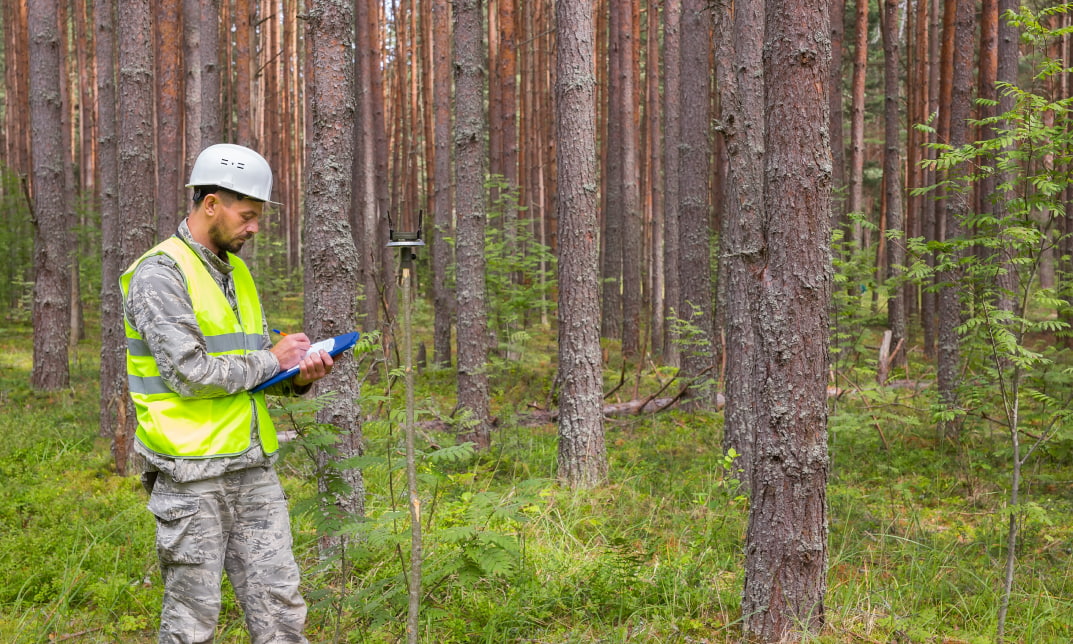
623, 187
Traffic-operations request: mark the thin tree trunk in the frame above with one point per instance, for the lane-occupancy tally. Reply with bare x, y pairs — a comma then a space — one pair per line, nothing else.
838, 143
192, 112
134, 126
442, 210
243, 17
694, 232
582, 453
612, 177
651, 193
741, 85
856, 130
50, 211
892, 177
786, 543
630, 107
1006, 72
957, 82
330, 260
209, 51
169, 118
469, 250
672, 13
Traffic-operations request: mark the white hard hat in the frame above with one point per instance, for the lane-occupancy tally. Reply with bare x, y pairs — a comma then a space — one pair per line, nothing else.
234, 167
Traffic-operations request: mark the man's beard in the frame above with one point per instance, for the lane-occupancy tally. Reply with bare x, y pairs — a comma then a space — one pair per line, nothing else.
230, 245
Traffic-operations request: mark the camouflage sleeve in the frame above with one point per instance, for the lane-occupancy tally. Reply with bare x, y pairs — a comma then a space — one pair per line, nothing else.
159, 307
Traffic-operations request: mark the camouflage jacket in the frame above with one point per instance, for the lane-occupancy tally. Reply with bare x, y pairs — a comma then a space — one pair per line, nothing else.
159, 307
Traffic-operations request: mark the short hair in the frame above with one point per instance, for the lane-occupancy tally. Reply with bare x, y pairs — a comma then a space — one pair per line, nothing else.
200, 192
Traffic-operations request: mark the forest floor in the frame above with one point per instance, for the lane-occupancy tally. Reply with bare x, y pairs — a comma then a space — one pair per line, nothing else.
916, 547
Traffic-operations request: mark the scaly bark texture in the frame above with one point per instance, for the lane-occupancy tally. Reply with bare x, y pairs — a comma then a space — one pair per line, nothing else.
135, 153
672, 17
442, 199
694, 211
582, 453
786, 543
52, 222
741, 84
171, 206
470, 158
892, 176
330, 258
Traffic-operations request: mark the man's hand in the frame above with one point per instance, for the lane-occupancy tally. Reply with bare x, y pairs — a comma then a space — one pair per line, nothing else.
314, 367
291, 349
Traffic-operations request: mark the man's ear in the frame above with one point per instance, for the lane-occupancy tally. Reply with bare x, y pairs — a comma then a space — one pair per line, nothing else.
210, 202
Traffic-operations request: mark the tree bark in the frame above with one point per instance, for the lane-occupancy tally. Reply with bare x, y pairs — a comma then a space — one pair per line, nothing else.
838, 142
192, 87
892, 176
672, 13
50, 214
741, 84
582, 459
956, 91
612, 179
856, 130
470, 158
786, 543
330, 259
442, 210
169, 118
134, 125
209, 52
630, 108
694, 232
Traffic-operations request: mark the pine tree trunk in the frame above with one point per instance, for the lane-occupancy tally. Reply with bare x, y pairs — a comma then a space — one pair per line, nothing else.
582, 453
742, 100
956, 89
469, 250
630, 108
892, 176
192, 87
116, 410
856, 130
612, 179
209, 50
443, 226
330, 258
786, 542
52, 222
672, 13
134, 125
838, 142
169, 103
694, 232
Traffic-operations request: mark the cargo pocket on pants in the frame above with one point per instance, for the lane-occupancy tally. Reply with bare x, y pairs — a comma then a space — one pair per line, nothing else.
177, 540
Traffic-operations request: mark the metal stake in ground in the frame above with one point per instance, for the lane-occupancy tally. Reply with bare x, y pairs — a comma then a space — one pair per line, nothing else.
407, 243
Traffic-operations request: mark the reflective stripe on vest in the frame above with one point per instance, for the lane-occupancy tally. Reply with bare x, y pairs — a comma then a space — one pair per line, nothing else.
200, 427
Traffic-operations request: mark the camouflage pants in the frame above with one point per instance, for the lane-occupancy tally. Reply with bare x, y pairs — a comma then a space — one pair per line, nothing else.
237, 522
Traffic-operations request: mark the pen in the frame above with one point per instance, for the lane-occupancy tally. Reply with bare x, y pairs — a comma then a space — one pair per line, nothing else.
278, 331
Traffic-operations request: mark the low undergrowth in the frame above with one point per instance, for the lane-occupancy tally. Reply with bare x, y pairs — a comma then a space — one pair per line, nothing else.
916, 528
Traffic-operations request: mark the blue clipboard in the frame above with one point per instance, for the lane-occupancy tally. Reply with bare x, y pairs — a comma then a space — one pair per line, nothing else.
333, 346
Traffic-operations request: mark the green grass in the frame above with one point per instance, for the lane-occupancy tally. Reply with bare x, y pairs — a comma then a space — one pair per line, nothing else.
916, 529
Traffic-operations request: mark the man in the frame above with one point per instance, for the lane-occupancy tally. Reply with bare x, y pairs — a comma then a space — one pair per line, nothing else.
197, 342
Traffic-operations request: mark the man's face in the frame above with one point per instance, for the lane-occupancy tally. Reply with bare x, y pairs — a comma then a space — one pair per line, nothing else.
233, 221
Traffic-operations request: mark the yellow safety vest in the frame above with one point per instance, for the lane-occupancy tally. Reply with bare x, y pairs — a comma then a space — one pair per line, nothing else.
171, 425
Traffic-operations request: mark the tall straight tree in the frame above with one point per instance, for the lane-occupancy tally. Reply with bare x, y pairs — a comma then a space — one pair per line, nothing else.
470, 159
211, 85
630, 150
442, 203
955, 95
365, 215
330, 259
672, 15
838, 143
169, 101
51, 217
786, 542
694, 230
857, 108
612, 176
116, 412
134, 123
892, 175
192, 85
582, 453
740, 52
